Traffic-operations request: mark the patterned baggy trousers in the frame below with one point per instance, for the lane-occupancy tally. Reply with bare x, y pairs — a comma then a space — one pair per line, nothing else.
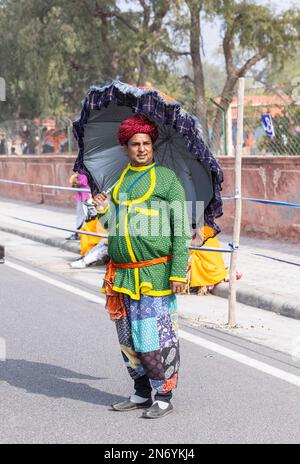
148, 336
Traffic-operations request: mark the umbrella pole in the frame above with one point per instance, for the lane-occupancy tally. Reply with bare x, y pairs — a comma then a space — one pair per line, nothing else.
238, 206
110, 189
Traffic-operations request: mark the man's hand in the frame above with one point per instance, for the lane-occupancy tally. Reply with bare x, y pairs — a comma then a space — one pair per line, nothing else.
101, 201
74, 181
177, 287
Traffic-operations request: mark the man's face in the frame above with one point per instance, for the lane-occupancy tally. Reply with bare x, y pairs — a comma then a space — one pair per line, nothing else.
140, 149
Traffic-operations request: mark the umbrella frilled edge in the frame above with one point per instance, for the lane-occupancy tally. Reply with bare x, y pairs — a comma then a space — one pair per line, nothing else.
161, 111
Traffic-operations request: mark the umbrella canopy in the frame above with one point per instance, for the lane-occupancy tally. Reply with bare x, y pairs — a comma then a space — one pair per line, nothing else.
179, 147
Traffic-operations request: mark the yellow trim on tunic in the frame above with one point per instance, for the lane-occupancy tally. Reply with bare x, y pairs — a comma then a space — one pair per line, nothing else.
135, 295
151, 292
118, 185
148, 212
141, 168
127, 292
103, 211
137, 200
178, 279
145, 286
136, 281
148, 293
159, 292
127, 238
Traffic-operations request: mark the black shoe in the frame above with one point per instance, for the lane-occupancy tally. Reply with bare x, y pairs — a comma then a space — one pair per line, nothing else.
129, 405
155, 412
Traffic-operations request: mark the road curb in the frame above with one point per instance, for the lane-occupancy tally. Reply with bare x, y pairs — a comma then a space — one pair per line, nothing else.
51, 241
245, 294
269, 302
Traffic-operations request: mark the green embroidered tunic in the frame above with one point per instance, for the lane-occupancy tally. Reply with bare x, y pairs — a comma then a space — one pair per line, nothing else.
147, 219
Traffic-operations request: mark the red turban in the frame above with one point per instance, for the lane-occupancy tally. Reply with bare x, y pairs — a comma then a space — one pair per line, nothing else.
138, 124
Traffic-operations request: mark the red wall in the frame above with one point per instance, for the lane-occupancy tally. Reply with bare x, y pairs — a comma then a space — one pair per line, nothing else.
46, 169
269, 178
272, 178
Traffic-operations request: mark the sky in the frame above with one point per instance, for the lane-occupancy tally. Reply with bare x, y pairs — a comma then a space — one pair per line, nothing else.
211, 35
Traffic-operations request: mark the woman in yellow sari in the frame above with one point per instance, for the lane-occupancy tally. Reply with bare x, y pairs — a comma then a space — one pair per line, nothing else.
206, 268
92, 248
87, 242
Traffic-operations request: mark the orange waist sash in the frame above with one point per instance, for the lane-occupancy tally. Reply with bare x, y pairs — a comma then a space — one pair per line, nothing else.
148, 262
115, 304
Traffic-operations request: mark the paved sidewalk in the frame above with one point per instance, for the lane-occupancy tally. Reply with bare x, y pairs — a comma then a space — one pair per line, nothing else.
271, 270
271, 275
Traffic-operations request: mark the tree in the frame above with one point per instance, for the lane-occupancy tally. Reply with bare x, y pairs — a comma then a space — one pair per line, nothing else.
54, 50
253, 29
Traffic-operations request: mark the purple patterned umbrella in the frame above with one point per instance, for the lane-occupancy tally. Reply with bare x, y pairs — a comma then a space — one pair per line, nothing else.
180, 145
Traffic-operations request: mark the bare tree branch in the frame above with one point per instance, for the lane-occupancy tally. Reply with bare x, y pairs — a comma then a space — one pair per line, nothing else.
175, 52
124, 21
147, 12
187, 78
195, 7
228, 47
251, 62
160, 13
101, 12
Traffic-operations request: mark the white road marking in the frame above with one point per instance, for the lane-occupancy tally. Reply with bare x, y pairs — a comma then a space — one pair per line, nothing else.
236, 356
241, 358
69, 288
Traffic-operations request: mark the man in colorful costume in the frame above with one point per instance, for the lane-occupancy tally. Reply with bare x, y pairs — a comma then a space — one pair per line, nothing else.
148, 246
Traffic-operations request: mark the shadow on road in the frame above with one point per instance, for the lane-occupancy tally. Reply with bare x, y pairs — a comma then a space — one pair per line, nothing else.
49, 380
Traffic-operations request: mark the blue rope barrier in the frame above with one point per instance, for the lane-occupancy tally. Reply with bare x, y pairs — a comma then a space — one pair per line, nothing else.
225, 197
221, 250
80, 232
277, 259
272, 202
268, 202
53, 187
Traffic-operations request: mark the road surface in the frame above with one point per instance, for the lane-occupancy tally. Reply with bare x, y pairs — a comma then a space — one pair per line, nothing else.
62, 369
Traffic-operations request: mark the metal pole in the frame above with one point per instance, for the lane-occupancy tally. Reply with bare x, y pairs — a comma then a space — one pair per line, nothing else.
238, 206
229, 131
224, 133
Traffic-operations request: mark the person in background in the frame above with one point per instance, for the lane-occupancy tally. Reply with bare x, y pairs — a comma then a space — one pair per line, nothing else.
206, 268
93, 249
78, 180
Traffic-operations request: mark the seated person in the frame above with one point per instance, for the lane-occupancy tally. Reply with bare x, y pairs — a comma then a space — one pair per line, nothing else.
206, 268
92, 248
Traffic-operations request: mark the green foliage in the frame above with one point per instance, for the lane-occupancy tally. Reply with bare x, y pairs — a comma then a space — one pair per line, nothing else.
53, 50
255, 27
